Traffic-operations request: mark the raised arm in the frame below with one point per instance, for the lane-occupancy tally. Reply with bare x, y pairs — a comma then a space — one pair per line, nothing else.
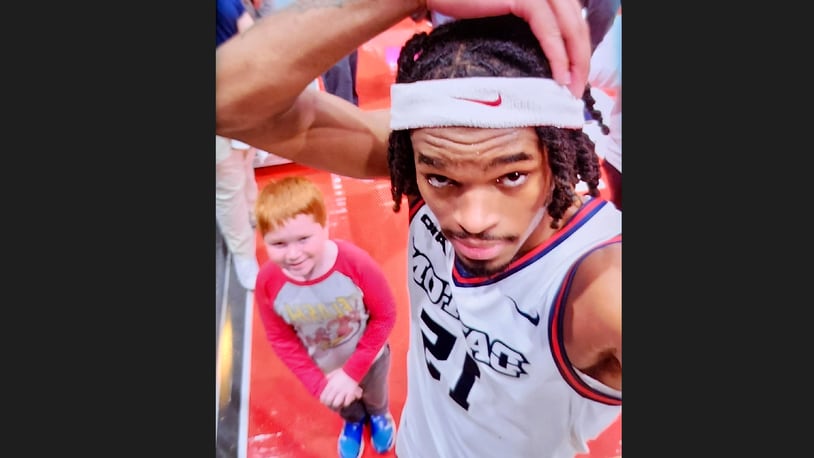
262, 74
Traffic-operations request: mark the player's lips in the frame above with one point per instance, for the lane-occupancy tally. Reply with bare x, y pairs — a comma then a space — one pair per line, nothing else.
479, 250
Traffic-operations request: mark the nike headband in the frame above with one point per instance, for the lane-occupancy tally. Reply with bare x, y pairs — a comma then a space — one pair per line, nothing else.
490, 102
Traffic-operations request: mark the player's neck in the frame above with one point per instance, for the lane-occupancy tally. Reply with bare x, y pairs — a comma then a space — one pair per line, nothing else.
544, 231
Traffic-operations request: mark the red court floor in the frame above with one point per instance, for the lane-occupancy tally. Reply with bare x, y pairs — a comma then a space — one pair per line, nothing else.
283, 419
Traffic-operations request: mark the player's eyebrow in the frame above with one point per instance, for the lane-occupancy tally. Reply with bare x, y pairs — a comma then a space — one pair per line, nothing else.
510, 159
440, 164
434, 162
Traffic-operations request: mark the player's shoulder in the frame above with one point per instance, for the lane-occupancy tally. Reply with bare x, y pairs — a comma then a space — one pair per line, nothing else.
604, 255
597, 282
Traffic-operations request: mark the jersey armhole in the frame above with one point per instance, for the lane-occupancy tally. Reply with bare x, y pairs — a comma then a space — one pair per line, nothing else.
598, 386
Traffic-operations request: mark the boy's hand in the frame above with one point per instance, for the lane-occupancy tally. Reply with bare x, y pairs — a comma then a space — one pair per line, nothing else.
340, 391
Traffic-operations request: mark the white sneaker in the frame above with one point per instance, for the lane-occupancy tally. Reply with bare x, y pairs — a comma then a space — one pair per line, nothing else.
246, 269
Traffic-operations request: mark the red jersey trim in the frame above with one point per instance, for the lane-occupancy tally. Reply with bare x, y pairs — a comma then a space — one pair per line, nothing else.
414, 207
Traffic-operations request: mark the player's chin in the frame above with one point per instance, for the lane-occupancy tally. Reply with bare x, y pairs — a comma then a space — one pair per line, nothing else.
485, 267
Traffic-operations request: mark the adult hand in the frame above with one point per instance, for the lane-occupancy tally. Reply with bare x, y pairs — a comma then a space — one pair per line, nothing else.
558, 24
340, 391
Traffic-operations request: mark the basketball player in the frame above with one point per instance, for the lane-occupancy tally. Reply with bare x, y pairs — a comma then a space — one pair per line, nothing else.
514, 277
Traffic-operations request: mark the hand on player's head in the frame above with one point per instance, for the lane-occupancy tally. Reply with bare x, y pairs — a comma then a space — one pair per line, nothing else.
558, 24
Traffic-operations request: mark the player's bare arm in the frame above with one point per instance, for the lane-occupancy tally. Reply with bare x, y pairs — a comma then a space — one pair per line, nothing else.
261, 75
328, 133
593, 317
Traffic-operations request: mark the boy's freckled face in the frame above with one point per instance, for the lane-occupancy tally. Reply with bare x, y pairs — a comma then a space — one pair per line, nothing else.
297, 245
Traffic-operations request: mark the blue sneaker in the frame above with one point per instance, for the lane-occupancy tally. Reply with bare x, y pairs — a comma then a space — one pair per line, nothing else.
350, 440
382, 432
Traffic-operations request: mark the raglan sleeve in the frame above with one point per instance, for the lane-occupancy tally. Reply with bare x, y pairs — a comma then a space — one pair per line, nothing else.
283, 338
381, 306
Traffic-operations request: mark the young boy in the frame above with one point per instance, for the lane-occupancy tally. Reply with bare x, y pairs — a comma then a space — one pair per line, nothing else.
327, 310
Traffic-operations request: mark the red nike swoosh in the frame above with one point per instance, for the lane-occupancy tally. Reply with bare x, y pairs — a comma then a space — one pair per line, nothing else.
490, 103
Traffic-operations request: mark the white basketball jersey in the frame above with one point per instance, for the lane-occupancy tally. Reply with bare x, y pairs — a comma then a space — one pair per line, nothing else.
486, 371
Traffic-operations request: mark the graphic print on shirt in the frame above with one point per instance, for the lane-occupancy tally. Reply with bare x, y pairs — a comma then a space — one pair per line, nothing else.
439, 342
340, 320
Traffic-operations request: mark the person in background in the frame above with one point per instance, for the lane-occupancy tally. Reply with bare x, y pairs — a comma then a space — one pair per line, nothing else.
235, 184
328, 311
605, 79
600, 15
231, 18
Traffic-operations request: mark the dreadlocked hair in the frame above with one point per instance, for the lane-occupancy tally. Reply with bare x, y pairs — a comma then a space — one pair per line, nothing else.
492, 46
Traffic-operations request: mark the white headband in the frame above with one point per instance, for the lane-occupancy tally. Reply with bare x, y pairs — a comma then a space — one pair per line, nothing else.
491, 102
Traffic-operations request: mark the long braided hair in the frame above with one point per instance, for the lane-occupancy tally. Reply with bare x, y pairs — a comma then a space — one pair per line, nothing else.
493, 46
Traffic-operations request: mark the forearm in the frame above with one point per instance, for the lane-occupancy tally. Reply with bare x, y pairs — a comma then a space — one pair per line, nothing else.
295, 357
288, 347
285, 342
374, 338
260, 73
381, 307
